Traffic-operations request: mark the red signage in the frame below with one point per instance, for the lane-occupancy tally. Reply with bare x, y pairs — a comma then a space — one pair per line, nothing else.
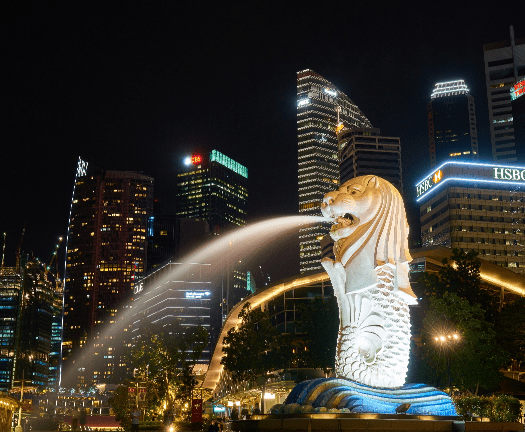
196, 159
518, 90
196, 410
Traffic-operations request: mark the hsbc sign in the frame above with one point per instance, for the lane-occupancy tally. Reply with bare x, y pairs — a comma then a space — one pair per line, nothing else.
428, 183
509, 174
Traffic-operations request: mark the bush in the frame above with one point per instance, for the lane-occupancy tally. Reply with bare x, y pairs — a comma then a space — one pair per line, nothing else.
506, 409
500, 408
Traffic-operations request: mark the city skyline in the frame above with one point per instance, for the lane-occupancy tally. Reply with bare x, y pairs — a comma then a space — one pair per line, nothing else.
138, 89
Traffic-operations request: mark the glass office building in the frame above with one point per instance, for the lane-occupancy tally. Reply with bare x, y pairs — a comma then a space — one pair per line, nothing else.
319, 105
452, 129
106, 252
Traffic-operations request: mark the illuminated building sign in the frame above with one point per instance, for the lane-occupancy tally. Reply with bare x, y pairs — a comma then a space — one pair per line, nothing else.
196, 294
517, 90
196, 159
81, 168
509, 174
430, 181
330, 92
138, 288
476, 174
217, 156
303, 102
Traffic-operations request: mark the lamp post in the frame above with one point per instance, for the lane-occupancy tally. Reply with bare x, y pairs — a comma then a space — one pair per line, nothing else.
447, 342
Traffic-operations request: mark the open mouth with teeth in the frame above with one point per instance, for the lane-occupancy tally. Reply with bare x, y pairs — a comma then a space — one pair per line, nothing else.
344, 221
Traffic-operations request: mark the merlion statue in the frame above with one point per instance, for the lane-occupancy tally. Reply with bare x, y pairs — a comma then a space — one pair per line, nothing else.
370, 280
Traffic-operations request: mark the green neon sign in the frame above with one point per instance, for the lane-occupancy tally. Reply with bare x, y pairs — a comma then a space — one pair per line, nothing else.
217, 156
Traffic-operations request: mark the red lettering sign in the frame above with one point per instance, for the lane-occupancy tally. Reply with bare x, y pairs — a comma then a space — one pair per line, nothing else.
196, 159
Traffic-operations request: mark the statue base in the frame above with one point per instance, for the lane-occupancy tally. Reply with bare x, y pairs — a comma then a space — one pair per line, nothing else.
342, 395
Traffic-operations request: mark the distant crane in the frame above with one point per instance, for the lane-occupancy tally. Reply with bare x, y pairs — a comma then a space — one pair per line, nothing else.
48, 267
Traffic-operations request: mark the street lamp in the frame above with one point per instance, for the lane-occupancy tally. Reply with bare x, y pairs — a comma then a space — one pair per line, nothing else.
447, 341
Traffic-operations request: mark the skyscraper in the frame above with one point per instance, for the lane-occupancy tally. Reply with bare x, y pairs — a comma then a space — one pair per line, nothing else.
10, 313
317, 103
26, 317
364, 151
213, 187
106, 251
504, 67
452, 129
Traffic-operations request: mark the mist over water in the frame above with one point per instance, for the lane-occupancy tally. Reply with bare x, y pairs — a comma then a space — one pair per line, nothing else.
247, 242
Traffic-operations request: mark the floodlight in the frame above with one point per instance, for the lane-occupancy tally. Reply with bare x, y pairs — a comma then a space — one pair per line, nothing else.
403, 408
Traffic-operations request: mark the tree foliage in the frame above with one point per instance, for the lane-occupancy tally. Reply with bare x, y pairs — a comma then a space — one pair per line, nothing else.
164, 358
319, 321
252, 349
457, 301
120, 404
475, 359
462, 279
510, 327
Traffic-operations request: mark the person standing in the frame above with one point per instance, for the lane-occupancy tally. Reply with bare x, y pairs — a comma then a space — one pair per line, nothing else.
135, 418
82, 419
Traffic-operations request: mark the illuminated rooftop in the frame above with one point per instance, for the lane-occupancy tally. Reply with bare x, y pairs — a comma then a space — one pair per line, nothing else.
449, 88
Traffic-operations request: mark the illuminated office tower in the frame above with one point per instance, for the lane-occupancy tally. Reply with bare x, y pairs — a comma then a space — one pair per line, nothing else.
475, 207
317, 102
504, 67
26, 316
452, 130
363, 151
106, 251
213, 187
173, 295
10, 311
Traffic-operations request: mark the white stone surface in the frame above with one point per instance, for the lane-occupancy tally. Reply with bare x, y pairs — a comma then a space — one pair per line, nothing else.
370, 280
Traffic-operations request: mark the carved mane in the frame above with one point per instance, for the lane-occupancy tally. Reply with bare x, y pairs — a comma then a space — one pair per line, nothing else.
386, 230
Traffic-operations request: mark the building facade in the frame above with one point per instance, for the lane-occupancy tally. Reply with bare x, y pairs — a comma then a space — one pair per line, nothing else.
476, 207
364, 151
106, 252
517, 97
504, 67
175, 294
10, 313
452, 129
319, 104
213, 187
27, 312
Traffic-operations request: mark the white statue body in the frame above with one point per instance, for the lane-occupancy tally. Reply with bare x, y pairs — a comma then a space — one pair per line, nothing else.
370, 280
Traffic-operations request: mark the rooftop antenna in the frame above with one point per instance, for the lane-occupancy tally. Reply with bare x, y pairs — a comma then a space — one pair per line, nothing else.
18, 251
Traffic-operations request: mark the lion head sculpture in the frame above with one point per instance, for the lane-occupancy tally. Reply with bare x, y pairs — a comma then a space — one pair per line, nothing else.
370, 218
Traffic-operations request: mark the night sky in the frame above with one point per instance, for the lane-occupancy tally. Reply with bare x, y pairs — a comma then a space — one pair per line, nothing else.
139, 85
